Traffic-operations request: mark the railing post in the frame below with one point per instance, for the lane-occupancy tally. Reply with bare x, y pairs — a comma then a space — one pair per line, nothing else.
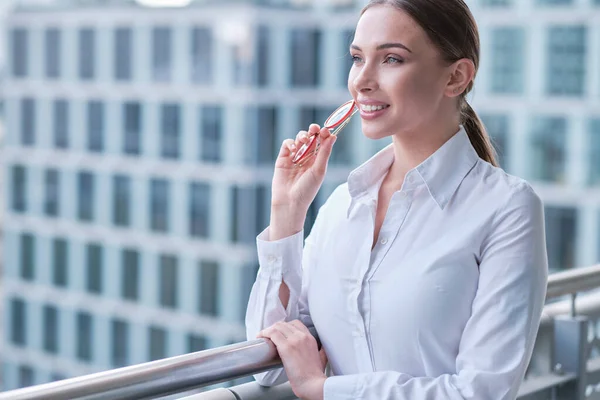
570, 354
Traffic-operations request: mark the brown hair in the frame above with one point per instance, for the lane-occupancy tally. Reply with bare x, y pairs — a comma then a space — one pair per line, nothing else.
450, 25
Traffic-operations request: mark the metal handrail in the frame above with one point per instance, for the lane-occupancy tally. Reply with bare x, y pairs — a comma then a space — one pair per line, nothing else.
208, 367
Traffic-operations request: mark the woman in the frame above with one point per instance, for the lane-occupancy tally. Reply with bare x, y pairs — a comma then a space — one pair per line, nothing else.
425, 274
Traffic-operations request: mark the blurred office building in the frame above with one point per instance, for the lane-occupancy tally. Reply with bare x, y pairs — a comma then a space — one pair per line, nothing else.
140, 143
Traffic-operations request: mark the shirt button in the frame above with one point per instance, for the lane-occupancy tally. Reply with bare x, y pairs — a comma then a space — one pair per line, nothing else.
402, 194
383, 241
410, 179
271, 258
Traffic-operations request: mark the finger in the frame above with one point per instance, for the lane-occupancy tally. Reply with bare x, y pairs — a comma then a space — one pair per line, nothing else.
324, 133
324, 152
287, 148
314, 129
297, 324
276, 337
302, 137
286, 329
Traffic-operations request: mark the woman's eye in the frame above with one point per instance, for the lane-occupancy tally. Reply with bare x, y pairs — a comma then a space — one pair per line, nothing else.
356, 59
393, 60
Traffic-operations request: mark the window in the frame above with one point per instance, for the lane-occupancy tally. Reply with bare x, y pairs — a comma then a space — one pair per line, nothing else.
27, 257
347, 38
121, 200
248, 217
159, 205
248, 277
261, 135
61, 123
211, 131
26, 376
170, 127
123, 51
52, 193
199, 209
52, 52
594, 152
168, 281
83, 334
28, 119
132, 123
196, 343
208, 301
305, 57
87, 50
19, 188
95, 126
157, 343
497, 127
566, 60
508, 60
85, 205
161, 54
554, 2
20, 52
561, 237
18, 322
202, 57
130, 261
60, 262
251, 59
50, 330
120, 336
94, 268
548, 149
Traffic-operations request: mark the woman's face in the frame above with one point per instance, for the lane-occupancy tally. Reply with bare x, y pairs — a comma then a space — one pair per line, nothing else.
398, 77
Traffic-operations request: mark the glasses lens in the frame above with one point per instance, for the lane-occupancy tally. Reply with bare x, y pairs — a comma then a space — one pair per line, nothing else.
339, 115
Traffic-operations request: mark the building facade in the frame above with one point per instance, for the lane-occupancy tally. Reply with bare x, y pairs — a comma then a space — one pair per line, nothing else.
140, 144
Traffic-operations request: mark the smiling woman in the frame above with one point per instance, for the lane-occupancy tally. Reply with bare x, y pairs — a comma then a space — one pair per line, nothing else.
425, 273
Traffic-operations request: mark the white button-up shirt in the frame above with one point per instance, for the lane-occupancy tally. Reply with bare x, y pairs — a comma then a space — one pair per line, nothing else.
447, 304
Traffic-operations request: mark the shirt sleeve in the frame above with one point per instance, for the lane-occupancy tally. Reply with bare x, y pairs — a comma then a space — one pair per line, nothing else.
285, 259
497, 341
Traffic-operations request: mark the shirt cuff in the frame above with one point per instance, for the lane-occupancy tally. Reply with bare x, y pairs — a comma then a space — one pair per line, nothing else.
280, 258
341, 388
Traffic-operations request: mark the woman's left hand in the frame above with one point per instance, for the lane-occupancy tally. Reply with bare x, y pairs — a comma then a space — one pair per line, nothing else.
302, 361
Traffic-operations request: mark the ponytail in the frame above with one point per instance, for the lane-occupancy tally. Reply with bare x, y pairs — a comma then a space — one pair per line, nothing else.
477, 134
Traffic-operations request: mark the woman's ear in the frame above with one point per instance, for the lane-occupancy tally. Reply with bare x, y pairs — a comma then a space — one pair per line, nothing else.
461, 74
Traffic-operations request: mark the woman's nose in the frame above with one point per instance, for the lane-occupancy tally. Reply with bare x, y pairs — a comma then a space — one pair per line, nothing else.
365, 79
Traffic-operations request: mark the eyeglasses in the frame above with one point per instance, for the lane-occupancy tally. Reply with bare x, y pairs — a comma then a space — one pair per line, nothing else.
336, 121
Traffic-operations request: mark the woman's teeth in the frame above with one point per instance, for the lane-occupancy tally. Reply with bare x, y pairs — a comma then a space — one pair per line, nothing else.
372, 108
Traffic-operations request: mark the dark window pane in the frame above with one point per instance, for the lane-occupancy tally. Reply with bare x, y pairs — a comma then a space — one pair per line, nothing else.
168, 281
87, 50
132, 123
60, 261
347, 38
199, 209
85, 196
95, 126
123, 51
83, 333
594, 151
508, 60
249, 211
161, 54
201, 59
20, 52
52, 52
121, 200
27, 256
26, 376
549, 138
18, 322
61, 124
50, 330
157, 343
170, 127
305, 57
159, 205
119, 333
196, 343
251, 64
209, 288
28, 122
19, 188
497, 128
261, 135
248, 278
94, 268
131, 276
561, 237
52, 193
211, 121
566, 60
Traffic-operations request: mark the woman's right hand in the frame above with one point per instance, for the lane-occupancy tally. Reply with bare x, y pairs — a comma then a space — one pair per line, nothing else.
295, 186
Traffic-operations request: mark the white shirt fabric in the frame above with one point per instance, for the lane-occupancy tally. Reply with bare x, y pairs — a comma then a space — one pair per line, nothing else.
446, 305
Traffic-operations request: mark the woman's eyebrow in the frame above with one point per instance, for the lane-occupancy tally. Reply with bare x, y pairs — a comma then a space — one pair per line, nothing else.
384, 46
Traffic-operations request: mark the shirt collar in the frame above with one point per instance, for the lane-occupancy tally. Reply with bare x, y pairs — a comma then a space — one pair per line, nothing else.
442, 172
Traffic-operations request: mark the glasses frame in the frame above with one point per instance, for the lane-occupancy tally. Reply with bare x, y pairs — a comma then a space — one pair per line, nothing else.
311, 148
